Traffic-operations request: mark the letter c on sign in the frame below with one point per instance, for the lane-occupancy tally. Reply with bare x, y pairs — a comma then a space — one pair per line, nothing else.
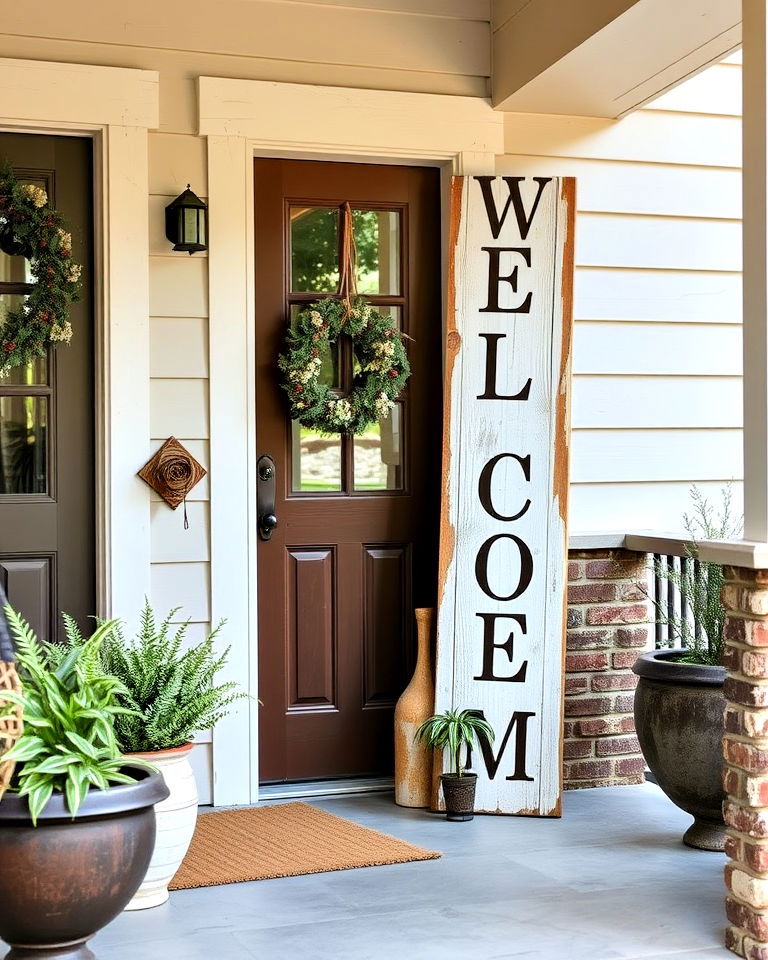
486, 477
526, 566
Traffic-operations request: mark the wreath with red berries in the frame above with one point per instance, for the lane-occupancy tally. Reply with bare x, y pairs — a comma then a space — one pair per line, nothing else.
31, 228
383, 367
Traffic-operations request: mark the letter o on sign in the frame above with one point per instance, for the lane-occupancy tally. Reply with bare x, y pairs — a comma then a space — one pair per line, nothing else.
526, 566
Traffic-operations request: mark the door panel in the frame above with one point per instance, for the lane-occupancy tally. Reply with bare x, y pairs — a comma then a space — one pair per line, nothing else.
356, 541
311, 588
47, 554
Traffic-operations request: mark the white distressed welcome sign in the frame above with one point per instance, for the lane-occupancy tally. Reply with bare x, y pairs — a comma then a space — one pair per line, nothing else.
503, 548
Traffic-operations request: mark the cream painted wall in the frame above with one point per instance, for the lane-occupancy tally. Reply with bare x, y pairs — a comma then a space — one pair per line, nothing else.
657, 352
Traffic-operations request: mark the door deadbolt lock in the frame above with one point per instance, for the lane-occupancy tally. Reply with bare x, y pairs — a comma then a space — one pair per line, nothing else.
265, 496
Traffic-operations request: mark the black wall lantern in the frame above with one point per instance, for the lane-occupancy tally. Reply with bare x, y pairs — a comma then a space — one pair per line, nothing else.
186, 223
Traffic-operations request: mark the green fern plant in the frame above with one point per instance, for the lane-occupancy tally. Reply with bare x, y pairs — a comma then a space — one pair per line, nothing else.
170, 691
70, 708
456, 731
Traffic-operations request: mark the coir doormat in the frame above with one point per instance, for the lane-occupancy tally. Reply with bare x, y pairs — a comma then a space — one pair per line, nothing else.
285, 840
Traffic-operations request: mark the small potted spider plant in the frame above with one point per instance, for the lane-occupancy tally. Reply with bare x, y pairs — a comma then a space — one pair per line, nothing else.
456, 731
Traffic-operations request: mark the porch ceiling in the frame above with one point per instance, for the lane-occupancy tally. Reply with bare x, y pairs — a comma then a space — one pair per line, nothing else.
603, 58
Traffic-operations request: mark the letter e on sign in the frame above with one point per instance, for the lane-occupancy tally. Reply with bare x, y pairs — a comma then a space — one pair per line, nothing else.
503, 534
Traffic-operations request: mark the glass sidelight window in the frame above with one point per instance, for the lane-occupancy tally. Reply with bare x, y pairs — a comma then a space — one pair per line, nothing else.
26, 394
375, 461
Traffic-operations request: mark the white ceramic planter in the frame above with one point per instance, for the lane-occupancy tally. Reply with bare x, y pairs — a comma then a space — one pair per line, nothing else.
176, 819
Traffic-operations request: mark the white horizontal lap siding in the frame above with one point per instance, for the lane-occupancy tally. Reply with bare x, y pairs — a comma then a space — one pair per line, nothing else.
643, 506
657, 346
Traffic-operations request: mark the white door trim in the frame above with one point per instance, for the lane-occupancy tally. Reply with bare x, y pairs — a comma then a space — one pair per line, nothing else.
243, 119
115, 107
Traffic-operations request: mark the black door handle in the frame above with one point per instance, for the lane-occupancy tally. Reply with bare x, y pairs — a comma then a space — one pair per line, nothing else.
265, 496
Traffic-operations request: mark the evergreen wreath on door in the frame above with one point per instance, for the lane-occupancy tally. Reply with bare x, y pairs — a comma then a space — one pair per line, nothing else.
377, 345
30, 228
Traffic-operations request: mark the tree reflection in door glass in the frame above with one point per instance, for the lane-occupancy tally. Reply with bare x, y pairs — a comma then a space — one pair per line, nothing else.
378, 455
316, 461
314, 249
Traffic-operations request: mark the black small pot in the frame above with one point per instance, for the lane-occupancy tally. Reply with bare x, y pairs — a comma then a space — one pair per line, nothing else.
65, 879
679, 721
459, 793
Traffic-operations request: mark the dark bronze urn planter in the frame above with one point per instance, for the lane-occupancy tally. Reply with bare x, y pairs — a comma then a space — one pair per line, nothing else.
459, 793
679, 721
65, 879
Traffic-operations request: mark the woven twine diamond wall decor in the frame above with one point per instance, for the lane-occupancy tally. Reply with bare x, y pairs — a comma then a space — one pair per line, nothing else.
172, 473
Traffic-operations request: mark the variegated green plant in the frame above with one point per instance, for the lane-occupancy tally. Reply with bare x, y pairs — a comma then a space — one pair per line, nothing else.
456, 731
69, 709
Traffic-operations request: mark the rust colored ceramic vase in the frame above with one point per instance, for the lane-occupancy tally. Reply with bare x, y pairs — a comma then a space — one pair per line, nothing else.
413, 760
65, 879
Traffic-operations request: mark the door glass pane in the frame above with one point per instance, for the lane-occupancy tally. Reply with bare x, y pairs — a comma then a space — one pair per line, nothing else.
378, 454
23, 428
35, 372
314, 249
30, 374
395, 313
329, 355
14, 269
316, 460
377, 237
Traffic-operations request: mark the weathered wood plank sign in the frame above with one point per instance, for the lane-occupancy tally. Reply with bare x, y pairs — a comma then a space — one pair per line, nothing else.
503, 543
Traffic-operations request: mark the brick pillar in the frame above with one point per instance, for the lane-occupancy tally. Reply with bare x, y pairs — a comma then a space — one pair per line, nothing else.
606, 603
745, 749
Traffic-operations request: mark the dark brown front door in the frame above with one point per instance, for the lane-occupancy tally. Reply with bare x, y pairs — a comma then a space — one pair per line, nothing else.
46, 415
355, 546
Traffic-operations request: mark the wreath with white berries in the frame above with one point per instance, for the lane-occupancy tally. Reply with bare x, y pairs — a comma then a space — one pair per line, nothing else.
379, 349
30, 227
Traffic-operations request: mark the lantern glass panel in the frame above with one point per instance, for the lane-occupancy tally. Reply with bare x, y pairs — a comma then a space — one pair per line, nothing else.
189, 226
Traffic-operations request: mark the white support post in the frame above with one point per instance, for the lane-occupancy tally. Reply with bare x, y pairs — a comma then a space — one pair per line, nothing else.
232, 397
755, 201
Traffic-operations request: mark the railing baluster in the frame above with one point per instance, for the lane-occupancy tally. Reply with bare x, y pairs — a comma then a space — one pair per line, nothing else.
657, 597
675, 602
698, 632
686, 610
670, 588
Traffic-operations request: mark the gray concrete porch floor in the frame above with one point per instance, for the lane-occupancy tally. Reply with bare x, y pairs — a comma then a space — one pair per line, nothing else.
611, 880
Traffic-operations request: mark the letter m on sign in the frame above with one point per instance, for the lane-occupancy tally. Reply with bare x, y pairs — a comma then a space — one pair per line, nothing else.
504, 537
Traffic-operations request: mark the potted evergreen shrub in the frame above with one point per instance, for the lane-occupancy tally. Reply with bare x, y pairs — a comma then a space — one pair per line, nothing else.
77, 824
679, 700
457, 732
169, 691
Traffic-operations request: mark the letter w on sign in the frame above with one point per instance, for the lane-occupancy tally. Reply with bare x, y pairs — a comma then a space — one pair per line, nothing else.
503, 537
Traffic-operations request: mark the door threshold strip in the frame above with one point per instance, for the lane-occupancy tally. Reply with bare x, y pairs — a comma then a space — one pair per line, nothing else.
325, 788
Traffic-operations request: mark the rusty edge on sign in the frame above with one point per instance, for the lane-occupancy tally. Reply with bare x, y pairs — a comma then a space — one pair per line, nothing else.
452, 347
561, 477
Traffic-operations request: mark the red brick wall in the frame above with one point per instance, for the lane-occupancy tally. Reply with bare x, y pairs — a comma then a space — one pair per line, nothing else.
607, 628
745, 751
